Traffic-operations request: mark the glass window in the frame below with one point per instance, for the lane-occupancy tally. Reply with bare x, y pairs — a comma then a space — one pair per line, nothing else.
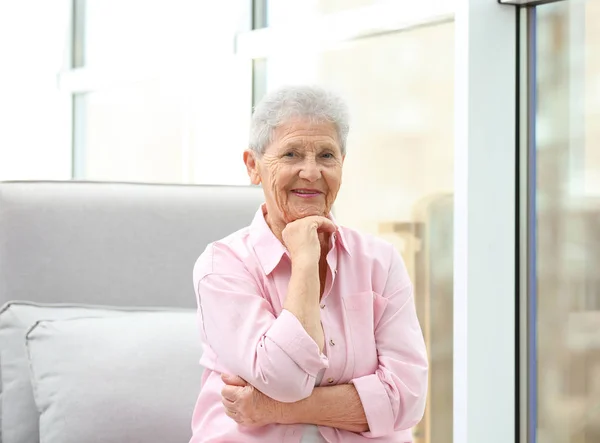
156, 90
131, 133
567, 256
133, 33
170, 129
398, 175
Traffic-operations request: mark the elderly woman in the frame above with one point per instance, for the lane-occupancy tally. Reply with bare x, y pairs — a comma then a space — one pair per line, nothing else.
309, 328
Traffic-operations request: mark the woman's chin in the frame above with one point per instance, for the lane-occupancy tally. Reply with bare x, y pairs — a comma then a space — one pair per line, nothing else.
298, 213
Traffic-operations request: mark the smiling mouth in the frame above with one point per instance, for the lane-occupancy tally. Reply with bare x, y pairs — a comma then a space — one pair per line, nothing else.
306, 193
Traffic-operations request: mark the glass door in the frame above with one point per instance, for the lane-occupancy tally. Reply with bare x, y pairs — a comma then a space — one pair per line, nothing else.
564, 290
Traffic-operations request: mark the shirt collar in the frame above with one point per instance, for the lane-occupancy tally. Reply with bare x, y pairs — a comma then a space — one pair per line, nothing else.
340, 236
268, 247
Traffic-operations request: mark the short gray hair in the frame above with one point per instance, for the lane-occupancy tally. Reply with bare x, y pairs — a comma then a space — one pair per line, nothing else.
282, 105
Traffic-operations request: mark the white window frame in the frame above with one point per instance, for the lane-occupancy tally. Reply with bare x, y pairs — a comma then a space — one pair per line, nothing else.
485, 230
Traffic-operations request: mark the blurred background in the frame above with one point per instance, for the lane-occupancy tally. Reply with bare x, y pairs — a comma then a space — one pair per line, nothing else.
567, 315
162, 91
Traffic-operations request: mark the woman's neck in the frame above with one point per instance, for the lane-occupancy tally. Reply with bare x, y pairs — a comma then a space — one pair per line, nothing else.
276, 229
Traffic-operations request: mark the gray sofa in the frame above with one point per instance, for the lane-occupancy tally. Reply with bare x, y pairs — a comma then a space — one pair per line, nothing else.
98, 336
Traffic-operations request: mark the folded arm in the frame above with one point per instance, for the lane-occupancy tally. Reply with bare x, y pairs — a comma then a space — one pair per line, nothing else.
334, 406
274, 354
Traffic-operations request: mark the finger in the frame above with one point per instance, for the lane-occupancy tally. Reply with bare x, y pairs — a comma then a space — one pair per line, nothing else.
233, 416
233, 380
231, 393
228, 404
325, 225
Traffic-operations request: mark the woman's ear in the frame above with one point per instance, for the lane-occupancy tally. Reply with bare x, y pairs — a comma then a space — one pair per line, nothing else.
251, 163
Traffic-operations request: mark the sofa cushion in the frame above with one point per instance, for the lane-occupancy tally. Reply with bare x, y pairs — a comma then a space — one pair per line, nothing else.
19, 415
128, 378
117, 244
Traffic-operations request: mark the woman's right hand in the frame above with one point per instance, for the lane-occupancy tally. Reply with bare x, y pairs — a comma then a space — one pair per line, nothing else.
301, 238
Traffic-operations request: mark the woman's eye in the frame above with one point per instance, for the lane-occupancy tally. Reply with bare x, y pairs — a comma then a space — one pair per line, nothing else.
327, 155
288, 154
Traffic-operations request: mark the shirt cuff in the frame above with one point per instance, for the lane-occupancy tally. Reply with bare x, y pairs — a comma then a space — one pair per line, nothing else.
376, 404
288, 333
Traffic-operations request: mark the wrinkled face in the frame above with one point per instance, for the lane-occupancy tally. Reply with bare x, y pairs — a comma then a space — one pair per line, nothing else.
300, 171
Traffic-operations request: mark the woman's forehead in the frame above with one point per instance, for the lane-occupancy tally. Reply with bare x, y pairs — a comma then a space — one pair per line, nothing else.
305, 126
301, 134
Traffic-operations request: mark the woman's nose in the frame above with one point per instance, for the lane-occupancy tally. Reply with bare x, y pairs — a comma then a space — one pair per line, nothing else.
310, 170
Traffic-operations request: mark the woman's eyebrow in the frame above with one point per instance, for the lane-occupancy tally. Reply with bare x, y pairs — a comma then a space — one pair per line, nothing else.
298, 145
326, 146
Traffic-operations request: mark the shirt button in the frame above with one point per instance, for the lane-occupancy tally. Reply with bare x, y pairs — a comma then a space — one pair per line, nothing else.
330, 380
322, 306
331, 342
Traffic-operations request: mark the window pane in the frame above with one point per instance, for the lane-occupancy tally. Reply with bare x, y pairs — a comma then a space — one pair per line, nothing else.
131, 133
170, 129
568, 223
116, 34
398, 175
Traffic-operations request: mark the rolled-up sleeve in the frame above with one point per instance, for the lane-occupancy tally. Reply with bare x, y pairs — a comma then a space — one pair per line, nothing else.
290, 336
274, 354
394, 397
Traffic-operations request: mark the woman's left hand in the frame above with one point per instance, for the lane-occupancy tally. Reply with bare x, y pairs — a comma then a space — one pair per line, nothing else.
247, 405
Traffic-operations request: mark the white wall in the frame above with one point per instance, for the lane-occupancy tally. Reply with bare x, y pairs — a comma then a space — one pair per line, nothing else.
34, 115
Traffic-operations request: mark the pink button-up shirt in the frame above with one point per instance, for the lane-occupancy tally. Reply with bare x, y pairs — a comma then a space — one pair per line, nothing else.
372, 335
